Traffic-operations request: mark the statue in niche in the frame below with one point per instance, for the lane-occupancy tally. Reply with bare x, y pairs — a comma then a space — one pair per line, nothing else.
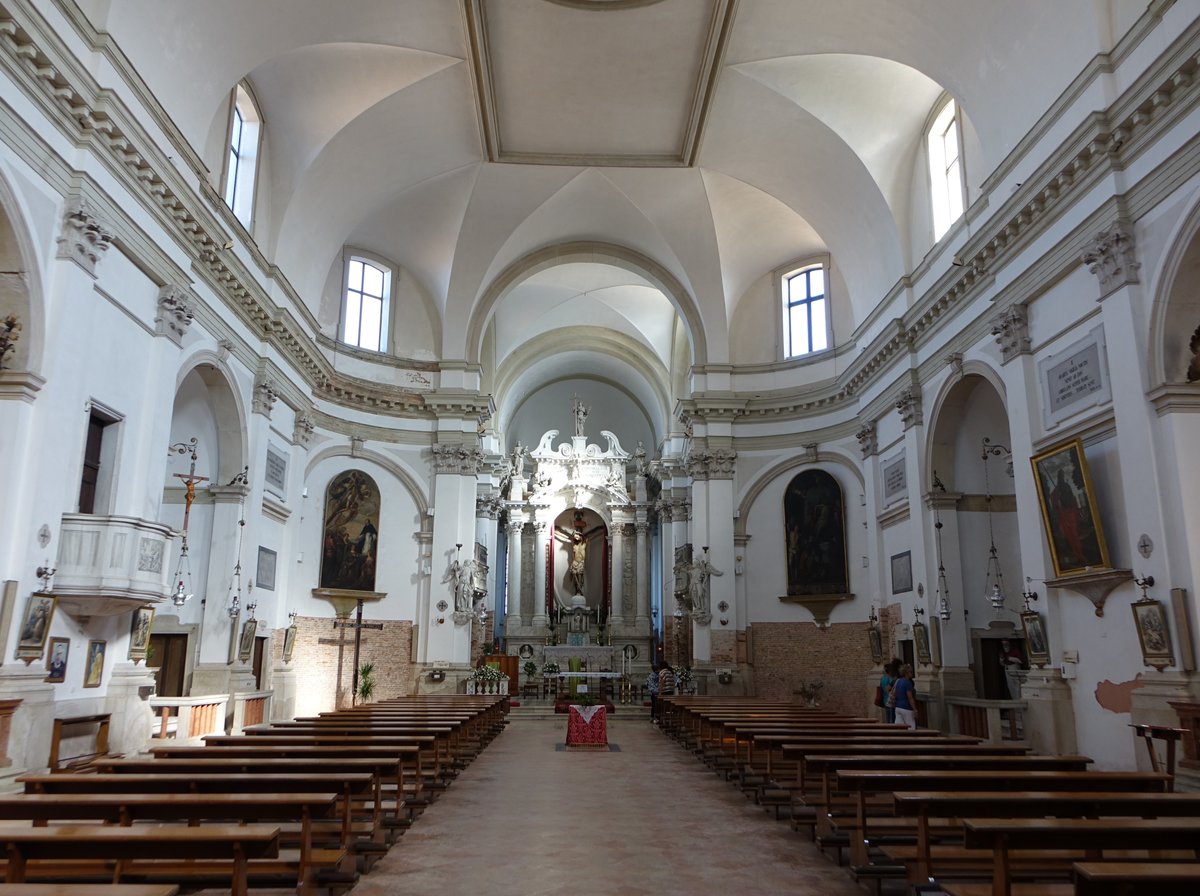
460, 577
516, 464
815, 532
699, 586
581, 413
639, 459
578, 566
350, 543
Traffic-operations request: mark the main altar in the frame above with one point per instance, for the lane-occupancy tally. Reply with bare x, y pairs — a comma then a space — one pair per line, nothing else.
578, 553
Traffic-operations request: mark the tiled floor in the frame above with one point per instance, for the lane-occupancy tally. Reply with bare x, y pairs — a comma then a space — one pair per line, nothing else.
526, 819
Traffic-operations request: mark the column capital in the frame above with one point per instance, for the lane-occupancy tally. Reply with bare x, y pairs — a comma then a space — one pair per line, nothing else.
715, 464
84, 238
868, 440
908, 404
175, 312
302, 432
465, 460
1011, 329
266, 391
1112, 256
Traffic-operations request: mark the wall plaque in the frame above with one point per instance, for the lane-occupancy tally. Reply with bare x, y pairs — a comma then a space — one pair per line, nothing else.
276, 472
1075, 378
895, 479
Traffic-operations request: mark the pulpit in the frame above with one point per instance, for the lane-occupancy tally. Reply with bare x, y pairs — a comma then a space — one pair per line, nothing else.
587, 727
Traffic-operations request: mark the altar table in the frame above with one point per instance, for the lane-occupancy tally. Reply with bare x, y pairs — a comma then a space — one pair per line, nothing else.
587, 727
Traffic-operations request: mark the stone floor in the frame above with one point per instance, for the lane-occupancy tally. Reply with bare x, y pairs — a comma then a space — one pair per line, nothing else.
526, 819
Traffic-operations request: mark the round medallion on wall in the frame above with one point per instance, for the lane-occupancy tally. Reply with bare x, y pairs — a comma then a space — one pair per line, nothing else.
442, 606
723, 606
525, 652
630, 651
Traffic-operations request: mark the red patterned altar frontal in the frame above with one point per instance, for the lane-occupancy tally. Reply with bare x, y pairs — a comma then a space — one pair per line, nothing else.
587, 727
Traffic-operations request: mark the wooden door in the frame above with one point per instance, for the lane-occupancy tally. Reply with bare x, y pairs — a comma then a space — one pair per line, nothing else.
167, 656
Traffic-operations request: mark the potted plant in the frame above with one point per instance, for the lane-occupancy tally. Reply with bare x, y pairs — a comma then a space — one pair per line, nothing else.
685, 677
366, 683
530, 669
810, 691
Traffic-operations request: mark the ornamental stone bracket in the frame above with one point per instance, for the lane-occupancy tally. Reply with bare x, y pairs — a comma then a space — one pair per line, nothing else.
175, 313
84, 238
908, 403
265, 394
1096, 586
868, 440
1112, 257
1011, 329
302, 432
820, 605
461, 460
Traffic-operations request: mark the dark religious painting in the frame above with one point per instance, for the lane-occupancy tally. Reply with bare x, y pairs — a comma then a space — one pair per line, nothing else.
1069, 510
814, 526
350, 542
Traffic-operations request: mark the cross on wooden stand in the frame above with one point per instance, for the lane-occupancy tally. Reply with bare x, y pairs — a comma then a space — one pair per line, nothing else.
358, 625
189, 479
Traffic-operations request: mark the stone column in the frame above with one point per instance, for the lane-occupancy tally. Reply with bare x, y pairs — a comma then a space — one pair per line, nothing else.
217, 629
541, 530
622, 607
487, 511
457, 464
516, 522
642, 567
712, 499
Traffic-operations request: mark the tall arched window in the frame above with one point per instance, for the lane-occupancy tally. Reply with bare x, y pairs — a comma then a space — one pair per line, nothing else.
366, 301
944, 142
805, 311
241, 168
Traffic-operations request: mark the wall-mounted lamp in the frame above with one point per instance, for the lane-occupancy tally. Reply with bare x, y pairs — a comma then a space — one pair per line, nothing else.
873, 617
918, 612
46, 573
1144, 583
1028, 595
292, 617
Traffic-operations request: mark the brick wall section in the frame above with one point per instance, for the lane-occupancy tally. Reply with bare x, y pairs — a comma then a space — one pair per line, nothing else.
317, 664
724, 647
786, 653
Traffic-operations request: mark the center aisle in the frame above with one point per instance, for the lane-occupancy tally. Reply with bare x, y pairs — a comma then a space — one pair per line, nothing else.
526, 819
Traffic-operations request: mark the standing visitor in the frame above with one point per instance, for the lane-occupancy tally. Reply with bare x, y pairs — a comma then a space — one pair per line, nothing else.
652, 691
906, 697
890, 673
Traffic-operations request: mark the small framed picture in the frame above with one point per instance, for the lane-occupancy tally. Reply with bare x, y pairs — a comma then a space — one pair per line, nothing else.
56, 660
289, 643
902, 573
139, 633
35, 627
93, 670
921, 642
1035, 639
1153, 633
876, 639
246, 641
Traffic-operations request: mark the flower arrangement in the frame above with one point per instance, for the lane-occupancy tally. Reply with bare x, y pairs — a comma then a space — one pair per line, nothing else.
810, 691
684, 675
530, 669
551, 668
487, 673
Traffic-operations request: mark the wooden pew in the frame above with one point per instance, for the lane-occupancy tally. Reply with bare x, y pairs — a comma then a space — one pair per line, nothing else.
126, 808
89, 889
139, 851
1124, 878
921, 805
1094, 835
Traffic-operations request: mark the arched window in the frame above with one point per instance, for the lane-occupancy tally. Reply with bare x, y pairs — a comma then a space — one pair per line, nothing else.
944, 142
241, 170
366, 297
806, 326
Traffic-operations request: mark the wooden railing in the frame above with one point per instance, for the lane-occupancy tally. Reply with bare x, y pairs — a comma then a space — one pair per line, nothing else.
250, 708
189, 718
994, 721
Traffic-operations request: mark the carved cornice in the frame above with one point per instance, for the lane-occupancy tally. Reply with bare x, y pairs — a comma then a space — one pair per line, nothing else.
717, 464
1112, 257
84, 238
1011, 329
462, 460
21, 385
368, 396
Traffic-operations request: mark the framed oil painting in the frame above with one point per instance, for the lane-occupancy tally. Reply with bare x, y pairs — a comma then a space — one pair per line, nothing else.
1153, 633
1035, 639
246, 641
876, 640
35, 627
921, 643
350, 542
56, 660
902, 573
139, 633
289, 643
93, 670
1069, 510
815, 535
265, 572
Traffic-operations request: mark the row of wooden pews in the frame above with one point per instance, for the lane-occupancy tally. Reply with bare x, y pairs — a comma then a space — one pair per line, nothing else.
919, 808
310, 803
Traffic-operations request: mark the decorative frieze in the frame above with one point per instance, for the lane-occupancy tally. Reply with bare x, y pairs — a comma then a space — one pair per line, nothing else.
84, 239
265, 394
717, 464
908, 403
462, 460
1112, 257
1011, 329
868, 439
175, 313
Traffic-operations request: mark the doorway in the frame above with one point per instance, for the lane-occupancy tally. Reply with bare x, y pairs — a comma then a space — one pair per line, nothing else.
167, 656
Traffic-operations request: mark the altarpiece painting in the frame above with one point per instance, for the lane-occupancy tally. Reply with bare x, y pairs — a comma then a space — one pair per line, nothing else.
350, 542
814, 526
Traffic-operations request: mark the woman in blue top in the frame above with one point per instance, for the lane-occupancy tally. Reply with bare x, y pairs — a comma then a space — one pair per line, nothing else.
906, 697
890, 671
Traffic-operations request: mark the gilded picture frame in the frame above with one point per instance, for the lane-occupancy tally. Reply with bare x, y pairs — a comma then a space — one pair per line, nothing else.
139, 633
93, 668
921, 643
35, 626
1070, 514
246, 641
1154, 634
56, 660
289, 643
875, 639
1037, 648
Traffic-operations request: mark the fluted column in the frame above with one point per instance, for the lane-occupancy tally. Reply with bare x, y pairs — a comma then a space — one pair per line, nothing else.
541, 530
642, 572
622, 604
514, 590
